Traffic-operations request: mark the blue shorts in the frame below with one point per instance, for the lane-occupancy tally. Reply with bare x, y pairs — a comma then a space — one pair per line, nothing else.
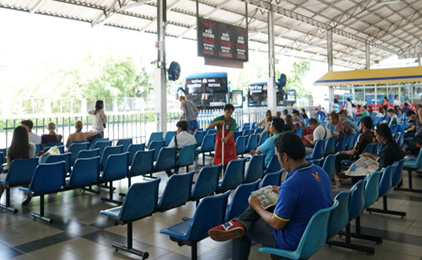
193, 125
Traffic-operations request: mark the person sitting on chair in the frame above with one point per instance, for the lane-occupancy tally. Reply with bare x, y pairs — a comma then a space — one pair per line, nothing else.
78, 135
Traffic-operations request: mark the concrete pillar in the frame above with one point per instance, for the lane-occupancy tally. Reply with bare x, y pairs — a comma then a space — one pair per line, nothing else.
367, 56
272, 102
160, 71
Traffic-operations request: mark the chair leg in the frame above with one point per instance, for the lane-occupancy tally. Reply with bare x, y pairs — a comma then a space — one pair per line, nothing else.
7, 206
410, 184
358, 234
194, 251
385, 209
129, 248
348, 244
41, 214
110, 198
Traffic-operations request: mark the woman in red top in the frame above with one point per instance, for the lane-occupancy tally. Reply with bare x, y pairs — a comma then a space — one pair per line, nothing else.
386, 102
229, 125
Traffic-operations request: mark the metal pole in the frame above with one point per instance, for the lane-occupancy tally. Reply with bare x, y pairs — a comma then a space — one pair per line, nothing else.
272, 102
367, 56
330, 50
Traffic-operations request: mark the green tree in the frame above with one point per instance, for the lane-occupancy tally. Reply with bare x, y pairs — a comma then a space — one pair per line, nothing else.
295, 76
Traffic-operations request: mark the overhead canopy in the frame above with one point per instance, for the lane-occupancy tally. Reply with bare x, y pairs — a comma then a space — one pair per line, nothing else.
371, 76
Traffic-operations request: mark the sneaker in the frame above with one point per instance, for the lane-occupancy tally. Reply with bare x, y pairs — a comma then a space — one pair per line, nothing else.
227, 231
26, 200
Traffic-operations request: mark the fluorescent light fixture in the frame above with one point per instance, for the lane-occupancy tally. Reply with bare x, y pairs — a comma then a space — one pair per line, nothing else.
387, 2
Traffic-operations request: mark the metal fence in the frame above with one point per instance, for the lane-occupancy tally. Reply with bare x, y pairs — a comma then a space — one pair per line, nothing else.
135, 125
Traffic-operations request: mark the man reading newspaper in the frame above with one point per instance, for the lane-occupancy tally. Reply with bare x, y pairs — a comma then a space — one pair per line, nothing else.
307, 190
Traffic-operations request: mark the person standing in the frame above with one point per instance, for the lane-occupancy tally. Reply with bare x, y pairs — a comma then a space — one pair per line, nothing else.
348, 108
396, 101
190, 114
99, 119
336, 106
386, 102
229, 124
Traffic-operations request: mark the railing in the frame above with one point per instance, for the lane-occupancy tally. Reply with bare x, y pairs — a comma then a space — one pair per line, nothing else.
136, 125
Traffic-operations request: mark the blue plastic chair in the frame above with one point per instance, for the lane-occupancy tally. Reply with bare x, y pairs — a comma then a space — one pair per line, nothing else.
206, 183
133, 148
329, 165
20, 173
176, 192
341, 144
116, 168
125, 142
241, 145
60, 147
187, 156
140, 202
209, 213
258, 130
142, 164
350, 142
94, 142
317, 152
233, 176
85, 172
49, 145
207, 146
272, 178
247, 132
237, 134
102, 145
166, 159
199, 135
239, 200
155, 136
299, 132
75, 148
340, 216
169, 135
313, 238
109, 151
252, 142
88, 153
263, 138
410, 166
330, 145
210, 131
156, 146
400, 139
273, 165
48, 178
255, 169
61, 157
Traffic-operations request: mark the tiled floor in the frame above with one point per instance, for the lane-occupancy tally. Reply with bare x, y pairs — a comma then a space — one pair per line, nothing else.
79, 232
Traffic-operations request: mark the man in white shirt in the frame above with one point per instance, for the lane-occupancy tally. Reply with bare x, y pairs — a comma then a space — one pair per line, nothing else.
396, 101
183, 138
320, 133
348, 108
33, 138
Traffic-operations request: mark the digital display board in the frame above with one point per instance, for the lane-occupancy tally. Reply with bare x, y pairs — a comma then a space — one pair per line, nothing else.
222, 41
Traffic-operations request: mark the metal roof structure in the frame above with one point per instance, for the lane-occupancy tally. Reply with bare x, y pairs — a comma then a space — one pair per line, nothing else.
389, 27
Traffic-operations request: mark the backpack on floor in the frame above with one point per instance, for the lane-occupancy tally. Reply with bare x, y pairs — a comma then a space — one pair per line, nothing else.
415, 144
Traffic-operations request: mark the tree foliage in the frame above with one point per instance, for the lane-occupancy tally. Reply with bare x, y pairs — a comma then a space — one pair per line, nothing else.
295, 76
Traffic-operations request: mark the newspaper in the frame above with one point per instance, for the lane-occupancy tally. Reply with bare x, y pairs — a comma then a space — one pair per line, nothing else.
266, 196
363, 166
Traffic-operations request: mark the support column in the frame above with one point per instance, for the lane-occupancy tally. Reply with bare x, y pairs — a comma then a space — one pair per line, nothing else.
367, 56
330, 61
272, 102
160, 70
419, 59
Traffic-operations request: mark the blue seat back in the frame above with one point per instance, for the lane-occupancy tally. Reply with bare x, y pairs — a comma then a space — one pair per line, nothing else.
75, 148
109, 151
125, 142
263, 138
208, 143
255, 169
340, 216
140, 201
37, 148
400, 139
169, 135
258, 130
156, 145
273, 165
61, 157
341, 144
48, 178
49, 145
371, 188
187, 155
252, 142
85, 172
330, 145
233, 176
155, 136
210, 131
350, 142
3, 154
241, 144
166, 158
357, 199
369, 148
247, 132
176, 192
60, 147
199, 135
94, 142
102, 145
209, 213
21, 172
329, 165
89, 153
133, 148
272, 178
116, 167
299, 132
318, 150
385, 183
397, 173
237, 134
239, 200
206, 182
142, 163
